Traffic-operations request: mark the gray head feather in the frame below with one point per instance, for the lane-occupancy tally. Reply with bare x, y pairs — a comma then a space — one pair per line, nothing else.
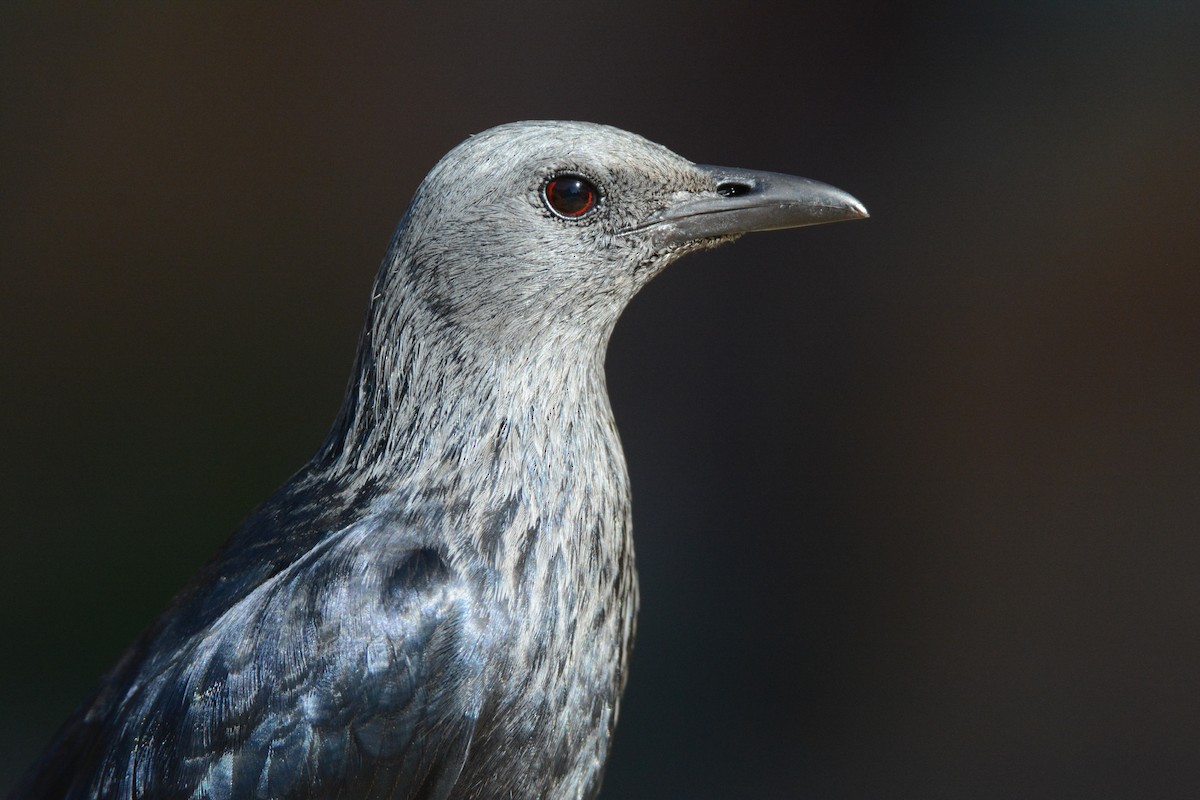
482, 277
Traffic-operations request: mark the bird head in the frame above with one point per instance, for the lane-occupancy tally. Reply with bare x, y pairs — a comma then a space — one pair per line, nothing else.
545, 230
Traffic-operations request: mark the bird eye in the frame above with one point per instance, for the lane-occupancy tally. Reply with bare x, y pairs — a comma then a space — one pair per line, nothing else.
570, 195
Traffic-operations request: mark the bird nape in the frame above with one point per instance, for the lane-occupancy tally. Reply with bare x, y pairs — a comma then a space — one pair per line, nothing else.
441, 603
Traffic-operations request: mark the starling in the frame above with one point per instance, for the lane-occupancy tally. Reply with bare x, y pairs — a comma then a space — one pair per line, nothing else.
441, 603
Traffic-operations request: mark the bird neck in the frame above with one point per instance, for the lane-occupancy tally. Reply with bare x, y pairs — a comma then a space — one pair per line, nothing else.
429, 398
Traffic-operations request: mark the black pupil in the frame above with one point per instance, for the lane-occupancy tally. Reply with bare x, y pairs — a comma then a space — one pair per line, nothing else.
570, 195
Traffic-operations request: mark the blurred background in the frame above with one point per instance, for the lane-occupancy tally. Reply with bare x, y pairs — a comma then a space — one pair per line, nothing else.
917, 499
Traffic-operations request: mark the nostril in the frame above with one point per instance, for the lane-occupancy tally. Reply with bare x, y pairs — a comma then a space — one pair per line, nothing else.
733, 189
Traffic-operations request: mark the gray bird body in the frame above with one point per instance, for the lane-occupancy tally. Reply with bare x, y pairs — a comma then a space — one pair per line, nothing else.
441, 603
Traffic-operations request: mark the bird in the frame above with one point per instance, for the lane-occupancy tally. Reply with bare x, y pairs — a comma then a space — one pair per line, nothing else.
442, 602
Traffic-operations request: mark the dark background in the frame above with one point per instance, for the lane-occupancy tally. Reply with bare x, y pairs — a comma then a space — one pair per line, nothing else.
917, 499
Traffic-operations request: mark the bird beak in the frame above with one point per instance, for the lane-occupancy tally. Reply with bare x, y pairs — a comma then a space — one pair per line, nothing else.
747, 201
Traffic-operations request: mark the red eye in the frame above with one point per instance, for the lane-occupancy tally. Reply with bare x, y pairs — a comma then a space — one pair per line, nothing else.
570, 196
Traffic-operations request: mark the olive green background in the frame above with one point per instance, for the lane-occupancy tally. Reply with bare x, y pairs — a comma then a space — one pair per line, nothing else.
917, 499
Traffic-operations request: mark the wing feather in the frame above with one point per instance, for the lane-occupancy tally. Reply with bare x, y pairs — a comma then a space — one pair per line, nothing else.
351, 669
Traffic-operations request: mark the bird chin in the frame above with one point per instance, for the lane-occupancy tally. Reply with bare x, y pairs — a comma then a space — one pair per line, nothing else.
705, 243
661, 259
